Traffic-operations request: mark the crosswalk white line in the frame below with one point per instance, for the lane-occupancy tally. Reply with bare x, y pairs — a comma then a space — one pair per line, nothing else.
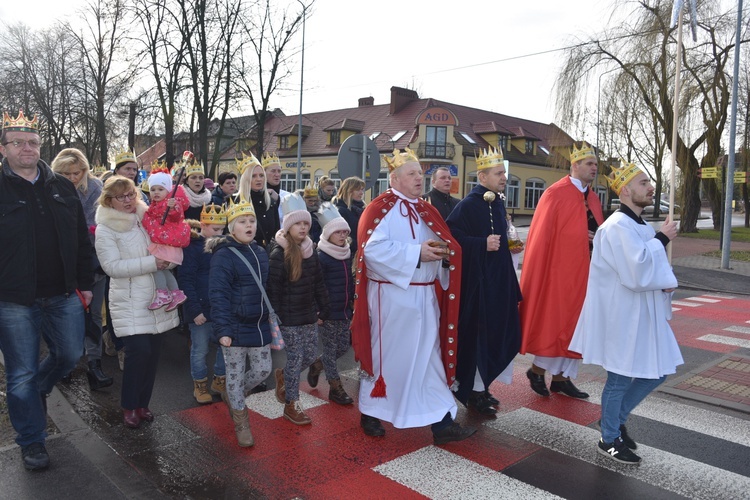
683, 416
437, 473
687, 477
686, 304
718, 296
265, 403
721, 339
707, 300
676, 309
737, 329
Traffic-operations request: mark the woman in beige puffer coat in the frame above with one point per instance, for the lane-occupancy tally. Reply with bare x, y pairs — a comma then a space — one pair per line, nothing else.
122, 247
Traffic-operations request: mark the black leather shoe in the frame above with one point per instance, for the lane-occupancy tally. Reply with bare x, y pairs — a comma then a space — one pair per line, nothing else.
537, 383
371, 426
479, 402
567, 388
453, 432
313, 374
35, 456
493, 400
97, 378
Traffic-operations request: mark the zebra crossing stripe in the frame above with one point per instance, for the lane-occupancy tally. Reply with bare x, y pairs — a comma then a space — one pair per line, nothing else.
729, 297
737, 329
683, 416
703, 299
686, 477
676, 309
721, 339
440, 474
686, 304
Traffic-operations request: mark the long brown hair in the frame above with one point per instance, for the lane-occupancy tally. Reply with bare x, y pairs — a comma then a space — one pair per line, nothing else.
293, 259
347, 188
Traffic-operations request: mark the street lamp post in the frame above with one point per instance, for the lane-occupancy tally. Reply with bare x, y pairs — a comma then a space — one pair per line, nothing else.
598, 105
301, 86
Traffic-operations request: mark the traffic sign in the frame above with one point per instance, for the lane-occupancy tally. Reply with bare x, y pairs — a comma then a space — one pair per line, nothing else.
740, 177
708, 173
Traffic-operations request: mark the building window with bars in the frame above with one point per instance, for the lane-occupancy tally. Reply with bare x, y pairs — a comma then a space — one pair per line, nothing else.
534, 190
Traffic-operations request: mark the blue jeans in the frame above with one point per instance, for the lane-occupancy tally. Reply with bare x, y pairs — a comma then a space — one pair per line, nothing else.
620, 396
59, 320
200, 337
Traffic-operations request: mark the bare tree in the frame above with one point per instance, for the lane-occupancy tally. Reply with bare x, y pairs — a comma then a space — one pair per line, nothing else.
209, 30
643, 49
101, 44
264, 64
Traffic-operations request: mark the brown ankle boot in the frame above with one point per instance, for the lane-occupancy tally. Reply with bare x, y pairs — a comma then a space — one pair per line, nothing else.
280, 387
295, 414
200, 391
219, 384
314, 373
242, 427
337, 394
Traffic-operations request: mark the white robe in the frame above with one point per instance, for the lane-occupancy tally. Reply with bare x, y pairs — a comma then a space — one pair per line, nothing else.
624, 325
407, 318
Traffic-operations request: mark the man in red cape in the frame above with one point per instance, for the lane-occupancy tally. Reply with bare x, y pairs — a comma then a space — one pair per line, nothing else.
404, 330
555, 272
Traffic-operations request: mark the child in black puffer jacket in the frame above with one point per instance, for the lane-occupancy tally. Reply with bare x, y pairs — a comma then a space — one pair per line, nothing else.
298, 295
336, 261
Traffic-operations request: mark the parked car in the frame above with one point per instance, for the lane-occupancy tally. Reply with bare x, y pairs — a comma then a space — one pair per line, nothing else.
663, 208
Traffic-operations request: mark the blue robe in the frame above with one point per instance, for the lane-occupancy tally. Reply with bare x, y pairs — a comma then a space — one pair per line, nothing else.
489, 330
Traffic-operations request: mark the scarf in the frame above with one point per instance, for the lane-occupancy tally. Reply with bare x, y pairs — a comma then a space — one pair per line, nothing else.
307, 244
335, 251
198, 199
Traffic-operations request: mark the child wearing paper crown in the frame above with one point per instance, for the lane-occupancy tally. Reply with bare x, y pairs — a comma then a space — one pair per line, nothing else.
238, 311
298, 295
167, 240
336, 261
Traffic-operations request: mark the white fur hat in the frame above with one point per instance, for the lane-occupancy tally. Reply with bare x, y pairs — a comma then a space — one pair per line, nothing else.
162, 179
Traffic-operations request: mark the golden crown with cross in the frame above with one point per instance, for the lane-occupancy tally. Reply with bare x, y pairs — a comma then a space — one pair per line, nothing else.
246, 162
619, 177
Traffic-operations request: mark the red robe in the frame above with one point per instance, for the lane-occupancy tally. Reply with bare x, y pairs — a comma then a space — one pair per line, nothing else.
555, 270
449, 299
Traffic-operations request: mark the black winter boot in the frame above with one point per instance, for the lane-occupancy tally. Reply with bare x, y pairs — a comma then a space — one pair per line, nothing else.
97, 378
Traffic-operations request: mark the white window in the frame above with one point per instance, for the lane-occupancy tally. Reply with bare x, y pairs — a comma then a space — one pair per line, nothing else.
471, 181
512, 192
534, 190
398, 135
288, 181
467, 137
374, 136
318, 174
382, 185
601, 192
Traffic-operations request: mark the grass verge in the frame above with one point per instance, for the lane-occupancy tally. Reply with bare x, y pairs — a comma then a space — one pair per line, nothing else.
736, 255
738, 234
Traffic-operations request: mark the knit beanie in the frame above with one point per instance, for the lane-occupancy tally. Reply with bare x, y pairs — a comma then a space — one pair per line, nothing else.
337, 224
294, 217
162, 179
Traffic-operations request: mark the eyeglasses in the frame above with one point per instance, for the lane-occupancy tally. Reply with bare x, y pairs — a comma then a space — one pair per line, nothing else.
33, 144
127, 197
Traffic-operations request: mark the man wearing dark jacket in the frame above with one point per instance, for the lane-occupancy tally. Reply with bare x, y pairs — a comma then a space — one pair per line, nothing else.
440, 194
46, 259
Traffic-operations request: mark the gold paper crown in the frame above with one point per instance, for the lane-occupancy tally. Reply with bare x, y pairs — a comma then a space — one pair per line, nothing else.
580, 154
194, 168
124, 156
213, 214
270, 159
242, 207
621, 176
159, 166
20, 123
311, 191
490, 158
99, 169
400, 159
246, 162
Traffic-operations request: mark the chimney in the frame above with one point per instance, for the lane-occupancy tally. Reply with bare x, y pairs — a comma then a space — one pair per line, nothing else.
366, 101
400, 97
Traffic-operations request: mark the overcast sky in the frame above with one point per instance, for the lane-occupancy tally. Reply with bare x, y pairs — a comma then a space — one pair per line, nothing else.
477, 53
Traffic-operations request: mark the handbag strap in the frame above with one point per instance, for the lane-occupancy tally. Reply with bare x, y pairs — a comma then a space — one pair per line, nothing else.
257, 280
